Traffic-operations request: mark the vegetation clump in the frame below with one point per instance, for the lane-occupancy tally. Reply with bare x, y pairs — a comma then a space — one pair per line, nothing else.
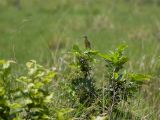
29, 96
28, 100
122, 85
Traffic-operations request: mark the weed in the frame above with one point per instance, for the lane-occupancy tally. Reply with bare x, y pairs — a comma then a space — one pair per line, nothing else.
121, 85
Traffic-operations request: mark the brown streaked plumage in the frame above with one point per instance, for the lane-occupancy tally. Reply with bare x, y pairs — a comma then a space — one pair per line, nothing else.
87, 43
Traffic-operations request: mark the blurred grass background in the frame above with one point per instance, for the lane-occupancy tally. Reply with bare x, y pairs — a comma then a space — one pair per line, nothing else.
43, 26
41, 29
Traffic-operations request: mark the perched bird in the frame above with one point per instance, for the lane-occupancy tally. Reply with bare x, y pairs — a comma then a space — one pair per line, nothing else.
87, 43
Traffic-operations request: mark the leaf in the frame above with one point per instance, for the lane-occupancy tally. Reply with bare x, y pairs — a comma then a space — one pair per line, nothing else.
6, 64
36, 109
48, 98
30, 63
30, 85
123, 60
27, 101
45, 117
105, 56
38, 85
66, 110
76, 49
116, 75
40, 74
121, 48
91, 52
24, 80
62, 112
15, 106
49, 77
139, 78
2, 91
60, 116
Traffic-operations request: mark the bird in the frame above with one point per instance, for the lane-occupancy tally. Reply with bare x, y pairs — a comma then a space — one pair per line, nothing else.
87, 42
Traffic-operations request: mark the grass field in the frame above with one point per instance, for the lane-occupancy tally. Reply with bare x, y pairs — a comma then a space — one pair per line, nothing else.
46, 29
29, 31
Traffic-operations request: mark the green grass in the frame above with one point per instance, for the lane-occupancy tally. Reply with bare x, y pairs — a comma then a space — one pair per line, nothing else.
29, 33
25, 34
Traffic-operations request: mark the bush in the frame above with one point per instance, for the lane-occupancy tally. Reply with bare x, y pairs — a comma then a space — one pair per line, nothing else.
30, 96
120, 85
30, 99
